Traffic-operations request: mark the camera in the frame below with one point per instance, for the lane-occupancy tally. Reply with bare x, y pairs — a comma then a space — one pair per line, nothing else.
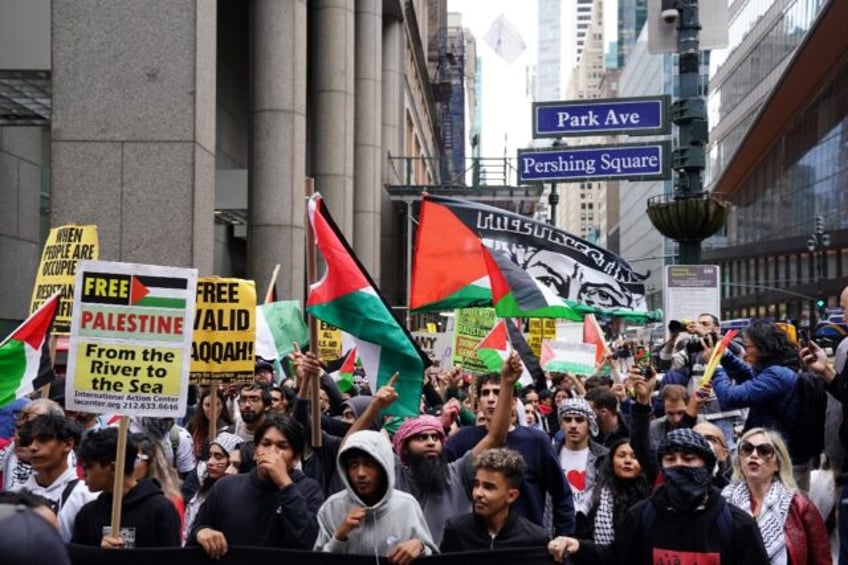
669, 11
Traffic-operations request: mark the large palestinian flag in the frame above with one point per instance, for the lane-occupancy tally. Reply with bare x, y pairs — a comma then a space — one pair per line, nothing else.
347, 298
24, 355
450, 271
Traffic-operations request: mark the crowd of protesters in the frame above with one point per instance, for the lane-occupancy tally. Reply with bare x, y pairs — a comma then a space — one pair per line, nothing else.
619, 466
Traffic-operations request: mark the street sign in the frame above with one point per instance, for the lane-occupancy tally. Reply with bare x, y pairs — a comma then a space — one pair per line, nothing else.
691, 290
646, 115
626, 161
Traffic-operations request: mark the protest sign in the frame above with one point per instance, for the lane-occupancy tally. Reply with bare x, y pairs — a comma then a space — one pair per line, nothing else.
438, 345
130, 340
329, 345
568, 357
471, 325
540, 328
222, 349
64, 248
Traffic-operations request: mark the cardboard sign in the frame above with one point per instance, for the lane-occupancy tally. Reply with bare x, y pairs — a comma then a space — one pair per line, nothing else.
470, 327
329, 346
130, 345
222, 349
540, 328
64, 248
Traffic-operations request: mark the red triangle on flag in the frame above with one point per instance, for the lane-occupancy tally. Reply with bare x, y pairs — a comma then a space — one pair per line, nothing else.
349, 364
342, 276
137, 290
35, 328
592, 334
547, 354
496, 338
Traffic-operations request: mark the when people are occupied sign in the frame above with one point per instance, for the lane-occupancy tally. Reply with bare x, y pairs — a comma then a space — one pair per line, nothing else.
130, 344
64, 248
224, 331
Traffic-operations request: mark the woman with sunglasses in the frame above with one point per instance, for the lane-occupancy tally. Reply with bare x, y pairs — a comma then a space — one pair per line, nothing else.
792, 528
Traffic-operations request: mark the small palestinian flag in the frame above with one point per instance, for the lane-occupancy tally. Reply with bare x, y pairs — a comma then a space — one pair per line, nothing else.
344, 376
592, 334
494, 349
24, 355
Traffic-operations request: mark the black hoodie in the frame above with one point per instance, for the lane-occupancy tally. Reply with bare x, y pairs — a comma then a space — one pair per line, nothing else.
148, 518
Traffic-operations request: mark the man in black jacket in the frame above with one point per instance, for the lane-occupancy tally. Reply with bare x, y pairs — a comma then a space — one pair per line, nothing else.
275, 505
148, 517
493, 524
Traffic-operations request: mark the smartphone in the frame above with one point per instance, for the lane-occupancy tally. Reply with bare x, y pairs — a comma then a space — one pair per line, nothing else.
804, 338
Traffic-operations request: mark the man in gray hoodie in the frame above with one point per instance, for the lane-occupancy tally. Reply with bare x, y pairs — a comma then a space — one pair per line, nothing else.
370, 517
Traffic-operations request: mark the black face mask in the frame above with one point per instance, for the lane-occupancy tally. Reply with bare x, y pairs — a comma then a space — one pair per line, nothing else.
687, 487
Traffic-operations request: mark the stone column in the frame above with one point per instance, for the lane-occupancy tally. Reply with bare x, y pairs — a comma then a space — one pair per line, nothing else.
393, 253
278, 146
367, 164
332, 106
133, 130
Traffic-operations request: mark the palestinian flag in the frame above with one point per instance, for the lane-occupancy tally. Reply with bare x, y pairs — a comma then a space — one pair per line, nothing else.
343, 377
448, 271
158, 292
347, 298
592, 334
449, 268
518, 295
501, 340
24, 355
563, 357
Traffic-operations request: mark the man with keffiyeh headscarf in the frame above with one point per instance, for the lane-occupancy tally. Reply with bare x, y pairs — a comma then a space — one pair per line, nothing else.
442, 488
578, 454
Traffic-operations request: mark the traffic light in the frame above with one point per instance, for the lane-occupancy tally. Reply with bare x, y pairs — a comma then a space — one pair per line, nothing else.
820, 306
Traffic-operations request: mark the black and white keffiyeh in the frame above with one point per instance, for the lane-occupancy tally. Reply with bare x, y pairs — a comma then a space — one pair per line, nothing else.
604, 533
772, 516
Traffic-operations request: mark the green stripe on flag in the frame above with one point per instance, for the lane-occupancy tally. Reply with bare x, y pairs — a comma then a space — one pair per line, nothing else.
161, 302
466, 297
13, 364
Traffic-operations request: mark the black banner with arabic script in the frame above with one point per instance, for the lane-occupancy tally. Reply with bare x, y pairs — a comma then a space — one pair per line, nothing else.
575, 269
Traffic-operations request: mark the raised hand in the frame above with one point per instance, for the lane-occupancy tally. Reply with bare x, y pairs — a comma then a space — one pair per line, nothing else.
387, 393
512, 369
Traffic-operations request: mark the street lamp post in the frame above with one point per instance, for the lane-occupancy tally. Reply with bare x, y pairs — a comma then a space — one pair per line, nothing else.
817, 245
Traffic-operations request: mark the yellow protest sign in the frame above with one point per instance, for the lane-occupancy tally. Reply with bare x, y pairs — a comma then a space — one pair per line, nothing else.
329, 342
540, 329
65, 246
222, 349
130, 341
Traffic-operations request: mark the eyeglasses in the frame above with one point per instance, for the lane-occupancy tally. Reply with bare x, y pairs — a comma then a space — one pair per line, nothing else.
764, 450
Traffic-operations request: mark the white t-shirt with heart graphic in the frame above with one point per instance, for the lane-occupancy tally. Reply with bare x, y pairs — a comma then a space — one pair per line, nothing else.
573, 463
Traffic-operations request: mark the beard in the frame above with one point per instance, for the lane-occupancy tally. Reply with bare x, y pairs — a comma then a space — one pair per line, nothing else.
429, 473
250, 417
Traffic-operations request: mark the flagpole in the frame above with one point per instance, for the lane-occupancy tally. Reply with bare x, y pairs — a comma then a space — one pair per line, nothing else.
269, 294
51, 347
408, 264
118, 484
213, 405
311, 275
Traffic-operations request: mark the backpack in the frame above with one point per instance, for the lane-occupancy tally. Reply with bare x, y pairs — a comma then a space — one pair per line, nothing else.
805, 434
56, 505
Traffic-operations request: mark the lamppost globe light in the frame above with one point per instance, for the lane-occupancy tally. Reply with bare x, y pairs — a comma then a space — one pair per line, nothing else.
811, 244
825, 239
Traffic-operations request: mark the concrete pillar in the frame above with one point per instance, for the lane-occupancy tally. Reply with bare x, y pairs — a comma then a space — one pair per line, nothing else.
332, 106
393, 252
22, 174
133, 130
278, 146
368, 150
